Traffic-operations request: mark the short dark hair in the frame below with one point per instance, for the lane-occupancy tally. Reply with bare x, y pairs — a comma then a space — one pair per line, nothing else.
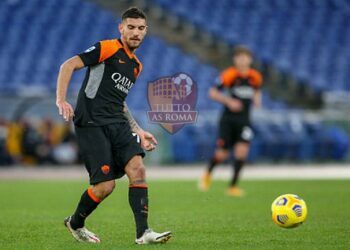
240, 49
133, 12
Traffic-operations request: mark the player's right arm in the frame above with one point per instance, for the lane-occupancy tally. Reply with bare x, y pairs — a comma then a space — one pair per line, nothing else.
63, 80
225, 80
96, 54
92, 56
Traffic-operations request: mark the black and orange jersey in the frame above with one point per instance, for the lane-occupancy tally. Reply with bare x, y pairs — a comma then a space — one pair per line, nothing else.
112, 71
240, 86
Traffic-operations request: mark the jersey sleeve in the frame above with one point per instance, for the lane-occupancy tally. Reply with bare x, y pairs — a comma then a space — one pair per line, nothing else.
99, 52
91, 56
256, 79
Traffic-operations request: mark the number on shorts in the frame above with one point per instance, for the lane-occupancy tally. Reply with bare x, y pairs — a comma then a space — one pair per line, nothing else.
137, 137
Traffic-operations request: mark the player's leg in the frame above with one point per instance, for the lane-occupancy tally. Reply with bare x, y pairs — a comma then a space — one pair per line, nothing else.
138, 200
223, 144
96, 150
128, 155
89, 201
220, 155
240, 152
138, 193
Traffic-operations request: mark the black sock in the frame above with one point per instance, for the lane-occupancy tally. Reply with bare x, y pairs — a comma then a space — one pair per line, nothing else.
88, 203
237, 166
212, 163
138, 200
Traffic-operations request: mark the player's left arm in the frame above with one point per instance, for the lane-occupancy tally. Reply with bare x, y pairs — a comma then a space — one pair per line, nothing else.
148, 141
257, 84
257, 98
63, 80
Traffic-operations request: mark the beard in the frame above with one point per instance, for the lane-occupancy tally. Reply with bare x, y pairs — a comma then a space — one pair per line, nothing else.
134, 44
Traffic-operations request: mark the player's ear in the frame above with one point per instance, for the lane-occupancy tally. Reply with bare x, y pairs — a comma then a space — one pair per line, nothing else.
120, 27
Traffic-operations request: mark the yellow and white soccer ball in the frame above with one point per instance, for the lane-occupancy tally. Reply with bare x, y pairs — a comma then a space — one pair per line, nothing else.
289, 210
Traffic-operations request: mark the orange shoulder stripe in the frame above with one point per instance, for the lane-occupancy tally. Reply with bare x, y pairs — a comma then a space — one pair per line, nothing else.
108, 48
256, 77
140, 65
228, 76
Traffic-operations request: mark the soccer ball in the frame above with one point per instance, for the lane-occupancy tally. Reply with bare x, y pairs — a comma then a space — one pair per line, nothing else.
289, 211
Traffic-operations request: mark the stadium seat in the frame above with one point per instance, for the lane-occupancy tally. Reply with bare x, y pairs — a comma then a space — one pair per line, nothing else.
266, 34
41, 34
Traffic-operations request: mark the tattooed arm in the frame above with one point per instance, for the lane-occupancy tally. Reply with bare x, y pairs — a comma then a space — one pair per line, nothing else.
148, 141
135, 127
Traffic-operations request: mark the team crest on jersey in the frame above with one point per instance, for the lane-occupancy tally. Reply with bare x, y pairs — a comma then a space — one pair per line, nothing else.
172, 100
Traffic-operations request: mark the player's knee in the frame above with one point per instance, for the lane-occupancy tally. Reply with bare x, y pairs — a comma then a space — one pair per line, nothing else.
221, 155
103, 189
108, 189
138, 172
241, 151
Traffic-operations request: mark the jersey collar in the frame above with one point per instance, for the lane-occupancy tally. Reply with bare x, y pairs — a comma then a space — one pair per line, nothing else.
130, 54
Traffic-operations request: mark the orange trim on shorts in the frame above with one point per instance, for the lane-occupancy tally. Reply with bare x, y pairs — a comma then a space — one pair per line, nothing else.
138, 186
92, 196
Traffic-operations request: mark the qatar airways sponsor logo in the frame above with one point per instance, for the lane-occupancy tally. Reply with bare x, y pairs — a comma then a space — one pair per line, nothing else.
122, 83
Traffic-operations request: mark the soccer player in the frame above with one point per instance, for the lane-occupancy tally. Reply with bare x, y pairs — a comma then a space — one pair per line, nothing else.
110, 140
243, 86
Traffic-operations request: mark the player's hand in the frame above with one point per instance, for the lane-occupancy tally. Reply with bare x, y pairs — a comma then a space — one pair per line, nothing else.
148, 141
65, 109
234, 105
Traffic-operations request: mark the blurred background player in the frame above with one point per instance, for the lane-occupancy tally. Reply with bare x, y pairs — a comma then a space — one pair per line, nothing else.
243, 86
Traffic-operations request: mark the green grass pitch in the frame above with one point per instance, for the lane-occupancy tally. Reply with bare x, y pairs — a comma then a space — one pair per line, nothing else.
32, 215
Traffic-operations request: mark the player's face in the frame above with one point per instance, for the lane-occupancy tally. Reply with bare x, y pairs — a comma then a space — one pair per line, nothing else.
242, 60
133, 31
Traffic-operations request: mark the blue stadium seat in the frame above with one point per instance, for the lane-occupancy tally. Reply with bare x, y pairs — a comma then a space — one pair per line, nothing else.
261, 25
41, 34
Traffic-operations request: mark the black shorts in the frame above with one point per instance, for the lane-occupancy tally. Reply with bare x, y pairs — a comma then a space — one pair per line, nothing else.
107, 149
233, 131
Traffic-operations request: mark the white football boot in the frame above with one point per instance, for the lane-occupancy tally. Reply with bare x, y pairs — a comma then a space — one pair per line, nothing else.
151, 237
81, 234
